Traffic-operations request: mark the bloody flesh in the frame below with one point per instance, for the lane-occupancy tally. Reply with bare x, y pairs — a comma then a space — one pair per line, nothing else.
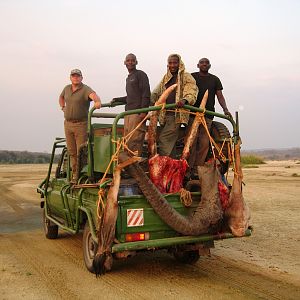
167, 173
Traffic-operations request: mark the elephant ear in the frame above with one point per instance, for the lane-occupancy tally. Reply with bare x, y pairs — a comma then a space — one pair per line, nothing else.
106, 232
238, 212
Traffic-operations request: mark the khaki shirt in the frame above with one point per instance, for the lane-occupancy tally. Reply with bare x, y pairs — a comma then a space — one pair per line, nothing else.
77, 103
186, 89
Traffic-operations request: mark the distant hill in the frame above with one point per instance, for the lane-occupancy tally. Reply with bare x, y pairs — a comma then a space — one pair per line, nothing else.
275, 154
24, 157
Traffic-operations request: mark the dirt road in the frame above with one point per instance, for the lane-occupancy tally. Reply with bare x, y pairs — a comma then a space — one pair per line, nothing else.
264, 266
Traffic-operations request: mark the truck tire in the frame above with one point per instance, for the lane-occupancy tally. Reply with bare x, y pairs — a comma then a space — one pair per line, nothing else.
89, 247
219, 132
50, 229
187, 257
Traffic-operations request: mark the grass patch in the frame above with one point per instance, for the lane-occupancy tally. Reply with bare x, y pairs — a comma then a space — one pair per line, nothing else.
250, 166
251, 160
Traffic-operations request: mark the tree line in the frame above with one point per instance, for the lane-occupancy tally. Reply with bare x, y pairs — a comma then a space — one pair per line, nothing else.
275, 154
24, 157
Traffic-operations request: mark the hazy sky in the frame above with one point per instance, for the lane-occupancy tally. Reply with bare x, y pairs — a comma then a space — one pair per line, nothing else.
253, 46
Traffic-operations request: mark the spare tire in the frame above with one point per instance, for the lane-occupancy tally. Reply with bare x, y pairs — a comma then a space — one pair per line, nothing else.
219, 132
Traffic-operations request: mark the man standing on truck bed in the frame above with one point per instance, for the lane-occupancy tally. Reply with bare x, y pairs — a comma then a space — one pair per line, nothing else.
74, 100
205, 81
138, 96
185, 93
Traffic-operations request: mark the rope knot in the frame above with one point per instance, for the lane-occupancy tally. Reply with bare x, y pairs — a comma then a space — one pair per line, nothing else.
186, 197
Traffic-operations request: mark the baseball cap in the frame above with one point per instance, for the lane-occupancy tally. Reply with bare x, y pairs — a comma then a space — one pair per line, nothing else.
76, 71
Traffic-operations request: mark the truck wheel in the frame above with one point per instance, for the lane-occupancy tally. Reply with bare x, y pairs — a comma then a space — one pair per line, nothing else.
187, 257
50, 229
89, 248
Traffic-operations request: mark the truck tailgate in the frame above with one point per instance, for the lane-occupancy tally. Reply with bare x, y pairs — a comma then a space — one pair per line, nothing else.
136, 215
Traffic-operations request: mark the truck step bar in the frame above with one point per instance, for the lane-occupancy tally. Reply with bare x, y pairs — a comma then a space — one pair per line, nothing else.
169, 242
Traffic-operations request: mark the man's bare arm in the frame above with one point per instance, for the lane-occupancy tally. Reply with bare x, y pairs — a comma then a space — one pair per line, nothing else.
96, 99
222, 102
62, 102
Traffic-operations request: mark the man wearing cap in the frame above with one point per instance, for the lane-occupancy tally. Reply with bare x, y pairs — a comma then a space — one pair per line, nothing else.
138, 96
74, 101
205, 81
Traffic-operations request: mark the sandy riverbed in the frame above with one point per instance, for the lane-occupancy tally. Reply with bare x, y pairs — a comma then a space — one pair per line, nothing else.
263, 266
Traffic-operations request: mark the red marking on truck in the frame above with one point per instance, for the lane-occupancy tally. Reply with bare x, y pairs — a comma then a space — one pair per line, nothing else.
135, 217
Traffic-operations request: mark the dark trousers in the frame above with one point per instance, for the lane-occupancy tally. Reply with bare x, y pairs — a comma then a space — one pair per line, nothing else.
200, 146
168, 136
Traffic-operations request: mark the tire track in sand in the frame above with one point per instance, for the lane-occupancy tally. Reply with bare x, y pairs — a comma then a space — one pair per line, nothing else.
51, 275
10, 200
250, 279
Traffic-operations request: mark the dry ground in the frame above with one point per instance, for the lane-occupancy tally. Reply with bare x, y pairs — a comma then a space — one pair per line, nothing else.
263, 266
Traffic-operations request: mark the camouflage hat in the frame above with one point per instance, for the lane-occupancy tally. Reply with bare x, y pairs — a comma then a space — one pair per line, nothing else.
76, 71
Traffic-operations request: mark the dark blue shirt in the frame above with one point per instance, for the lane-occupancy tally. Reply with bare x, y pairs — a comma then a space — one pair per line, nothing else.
138, 90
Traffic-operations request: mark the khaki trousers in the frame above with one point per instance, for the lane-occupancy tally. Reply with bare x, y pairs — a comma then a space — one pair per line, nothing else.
76, 135
135, 143
200, 146
168, 136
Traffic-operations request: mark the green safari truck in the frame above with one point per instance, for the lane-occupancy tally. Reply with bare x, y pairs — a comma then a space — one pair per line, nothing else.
76, 208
